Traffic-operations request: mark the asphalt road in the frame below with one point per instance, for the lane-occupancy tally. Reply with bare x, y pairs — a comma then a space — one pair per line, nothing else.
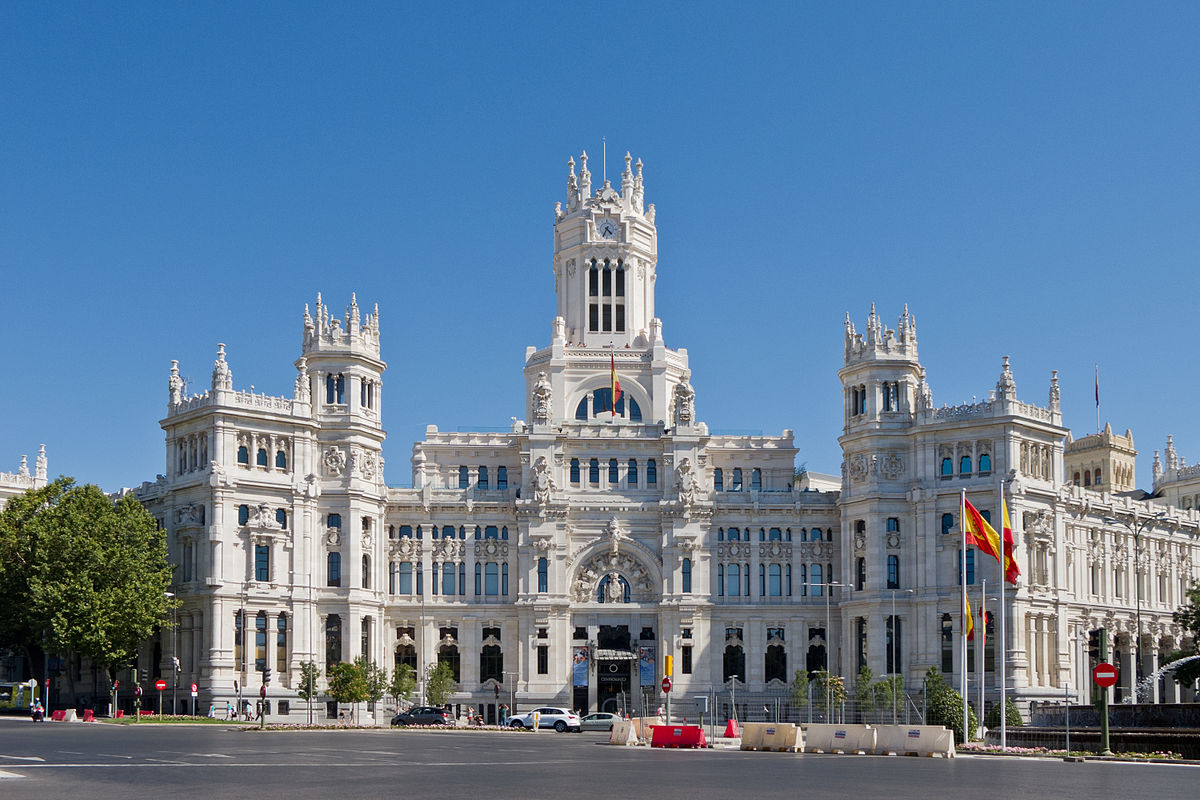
53, 760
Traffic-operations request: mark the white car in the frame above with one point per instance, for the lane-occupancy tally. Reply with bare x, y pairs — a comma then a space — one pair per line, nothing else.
561, 719
600, 721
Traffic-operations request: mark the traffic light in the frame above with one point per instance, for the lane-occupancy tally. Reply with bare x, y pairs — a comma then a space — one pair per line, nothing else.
670, 671
1094, 646
266, 675
135, 678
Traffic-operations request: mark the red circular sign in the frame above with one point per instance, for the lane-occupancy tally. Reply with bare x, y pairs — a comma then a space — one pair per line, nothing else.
160, 685
666, 684
1104, 674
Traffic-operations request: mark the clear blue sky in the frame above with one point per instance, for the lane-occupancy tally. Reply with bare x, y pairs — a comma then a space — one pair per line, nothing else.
1025, 176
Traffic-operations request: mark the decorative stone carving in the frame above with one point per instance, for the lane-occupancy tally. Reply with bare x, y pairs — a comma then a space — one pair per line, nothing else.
175, 385
491, 548
543, 545
581, 590
686, 479
685, 397
191, 514
541, 399
774, 550
613, 592
893, 466
335, 460
542, 482
858, 467
261, 517
302, 391
615, 535
860, 542
333, 537
893, 540
222, 376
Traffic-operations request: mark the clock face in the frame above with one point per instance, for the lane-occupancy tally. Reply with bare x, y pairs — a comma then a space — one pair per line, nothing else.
607, 228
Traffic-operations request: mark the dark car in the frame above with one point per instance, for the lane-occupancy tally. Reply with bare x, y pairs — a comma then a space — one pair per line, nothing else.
423, 715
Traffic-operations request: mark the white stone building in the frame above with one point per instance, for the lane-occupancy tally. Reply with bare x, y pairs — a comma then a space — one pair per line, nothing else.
560, 561
14, 483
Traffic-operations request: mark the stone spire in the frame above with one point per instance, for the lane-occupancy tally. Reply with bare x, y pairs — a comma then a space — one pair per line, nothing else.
40, 465
627, 178
175, 384
222, 376
302, 392
1006, 387
1172, 456
1055, 393
585, 177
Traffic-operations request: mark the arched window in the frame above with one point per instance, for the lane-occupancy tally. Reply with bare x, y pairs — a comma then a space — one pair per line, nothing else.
1096, 480
687, 576
737, 479
804, 580
501, 478
504, 579
734, 535
1075, 479
261, 458
449, 655
635, 411
631, 472
281, 645
762, 580
720, 580
447, 531
478, 579
964, 465
893, 572
775, 663
614, 477
243, 455
575, 470
1087, 477
280, 459
651, 473
281, 518
718, 480
483, 478
985, 463
602, 589
860, 573
334, 521
947, 467
970, 558
756, 480
333, 640
406, 531
404, 585
393, 571
774, 535
594, 472
491, 663
733, 664
243, 514
947, 523
334, 570
815, 581
464, 478
462, 578
543, 575
775, 580
581, 410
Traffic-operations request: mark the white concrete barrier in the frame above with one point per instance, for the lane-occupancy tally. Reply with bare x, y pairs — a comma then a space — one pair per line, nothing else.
783, 737
71, 716
752, 735
623, 733
824, 738
915, 740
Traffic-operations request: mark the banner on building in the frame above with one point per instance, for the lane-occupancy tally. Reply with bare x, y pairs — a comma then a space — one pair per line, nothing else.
646, 665
579, 667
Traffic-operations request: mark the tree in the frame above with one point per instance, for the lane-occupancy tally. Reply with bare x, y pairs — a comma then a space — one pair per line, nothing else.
1188, 617
347, 683
310, 676
889, 692
375, 677
404, 683
88, 574
799, 688
439, 683
829, 687
945, 706
864, 692
992, 718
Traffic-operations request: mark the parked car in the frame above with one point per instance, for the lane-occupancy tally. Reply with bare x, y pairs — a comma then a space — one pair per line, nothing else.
561, 719
600, 721
423, 715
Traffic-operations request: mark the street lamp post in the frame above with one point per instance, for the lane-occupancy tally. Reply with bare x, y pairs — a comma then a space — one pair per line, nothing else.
1136, 530
895, 656
174, 654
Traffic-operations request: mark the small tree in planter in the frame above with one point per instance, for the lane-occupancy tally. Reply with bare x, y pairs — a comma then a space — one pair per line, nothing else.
348, 683
439, 683
864, 692
375, 678
310, 676
403, 683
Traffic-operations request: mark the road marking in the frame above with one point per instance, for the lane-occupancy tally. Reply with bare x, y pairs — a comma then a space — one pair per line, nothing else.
23, 758
298, 764
4, 775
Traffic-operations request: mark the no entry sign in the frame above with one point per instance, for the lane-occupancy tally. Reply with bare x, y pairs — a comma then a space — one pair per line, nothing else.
666, 685
160, 685
1104, 674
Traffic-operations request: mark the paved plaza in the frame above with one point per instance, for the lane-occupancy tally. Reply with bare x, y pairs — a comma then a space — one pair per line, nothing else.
153, 761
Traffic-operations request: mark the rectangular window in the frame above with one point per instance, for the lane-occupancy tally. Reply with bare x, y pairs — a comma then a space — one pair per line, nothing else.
543, 575
448, 578
685, 660
543, 659
483, 478
406, 576
501, 478
651, 473
281, 643
491, 583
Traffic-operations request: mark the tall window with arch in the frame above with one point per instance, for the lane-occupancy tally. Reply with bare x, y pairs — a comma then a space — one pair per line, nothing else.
333, 640
718, 480
631, 473
893, 571
737, 479
333, 571
651, 473
756, 480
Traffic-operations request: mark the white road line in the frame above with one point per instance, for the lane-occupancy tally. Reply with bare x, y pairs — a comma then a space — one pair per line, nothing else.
4, 775
300, 764
23, 758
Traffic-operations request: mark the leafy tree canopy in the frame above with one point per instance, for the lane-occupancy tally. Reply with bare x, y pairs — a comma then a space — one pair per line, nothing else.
81, 573
799, 688
347, 682
404, 682
1188, 617
439, 683
310, 677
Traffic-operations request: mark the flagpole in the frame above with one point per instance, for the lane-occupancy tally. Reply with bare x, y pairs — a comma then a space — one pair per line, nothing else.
1003, 639
962, 564
1097, 398
981, 656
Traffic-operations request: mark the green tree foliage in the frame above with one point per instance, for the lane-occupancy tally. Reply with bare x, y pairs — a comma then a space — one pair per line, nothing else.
375, 676
348, 682
439, 683
945, 706
80, 573
864, 692
889, 693
404, 683
992, 718
1188, 617
829, 686
310, 680
799, 688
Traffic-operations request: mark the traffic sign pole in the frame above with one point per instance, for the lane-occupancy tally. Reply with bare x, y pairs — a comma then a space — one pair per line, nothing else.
1104, 748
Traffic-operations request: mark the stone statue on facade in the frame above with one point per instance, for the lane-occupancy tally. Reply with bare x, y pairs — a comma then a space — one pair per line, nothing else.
541, 399
302, 392
685, 399
222, 376
613, 592
543, 481
335, 460
615, 535
688, 485
175, 384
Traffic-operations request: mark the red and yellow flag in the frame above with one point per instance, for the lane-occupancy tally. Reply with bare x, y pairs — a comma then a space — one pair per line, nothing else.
980, 533
615, 384
968, 620
1011, 570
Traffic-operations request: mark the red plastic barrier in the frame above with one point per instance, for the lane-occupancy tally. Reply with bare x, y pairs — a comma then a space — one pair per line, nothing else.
120, 713
731, 729
89, 715
678, 736
58, 716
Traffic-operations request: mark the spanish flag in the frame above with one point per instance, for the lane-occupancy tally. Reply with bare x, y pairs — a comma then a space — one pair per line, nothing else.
968, 620
615, 383
1011, 570
980, 533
